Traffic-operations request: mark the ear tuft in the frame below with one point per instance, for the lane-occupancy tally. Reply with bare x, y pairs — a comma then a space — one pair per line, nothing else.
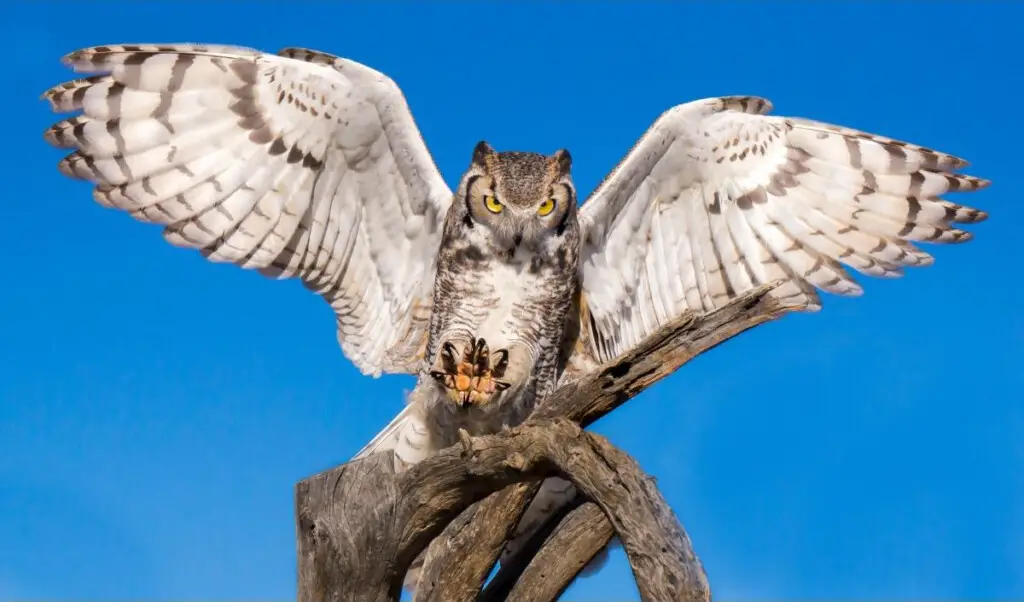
563, 161
480, 153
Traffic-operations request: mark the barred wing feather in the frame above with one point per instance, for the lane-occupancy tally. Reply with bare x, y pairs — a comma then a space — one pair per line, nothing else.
718, 197
297, 165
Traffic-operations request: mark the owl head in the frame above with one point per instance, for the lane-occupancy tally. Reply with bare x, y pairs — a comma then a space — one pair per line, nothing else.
524, 199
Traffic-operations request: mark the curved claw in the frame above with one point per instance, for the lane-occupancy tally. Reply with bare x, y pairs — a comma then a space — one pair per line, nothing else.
471, 377
481, 356
501, 364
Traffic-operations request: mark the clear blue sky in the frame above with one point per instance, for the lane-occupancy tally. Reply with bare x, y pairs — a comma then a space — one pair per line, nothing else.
156, 410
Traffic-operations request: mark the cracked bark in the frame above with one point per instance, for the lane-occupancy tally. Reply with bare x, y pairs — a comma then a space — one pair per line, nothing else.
360, 525
549, 563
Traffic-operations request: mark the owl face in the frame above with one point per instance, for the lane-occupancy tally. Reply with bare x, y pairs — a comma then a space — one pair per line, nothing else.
522, 198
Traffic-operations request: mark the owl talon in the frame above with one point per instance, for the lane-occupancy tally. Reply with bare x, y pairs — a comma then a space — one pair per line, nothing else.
471, 378
449, 358
481, 356
499, 367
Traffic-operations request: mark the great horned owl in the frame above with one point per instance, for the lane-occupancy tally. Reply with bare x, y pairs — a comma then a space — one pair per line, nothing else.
307, 165
506, 274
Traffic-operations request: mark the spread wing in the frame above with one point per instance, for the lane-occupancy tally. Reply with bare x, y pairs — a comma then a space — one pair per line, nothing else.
297, 165
717, 198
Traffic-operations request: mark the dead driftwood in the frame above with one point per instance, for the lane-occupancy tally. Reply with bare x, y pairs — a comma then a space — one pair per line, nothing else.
360, 525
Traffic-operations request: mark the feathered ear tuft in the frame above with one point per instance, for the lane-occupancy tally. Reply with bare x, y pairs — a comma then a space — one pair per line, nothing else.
481, 152
563, 161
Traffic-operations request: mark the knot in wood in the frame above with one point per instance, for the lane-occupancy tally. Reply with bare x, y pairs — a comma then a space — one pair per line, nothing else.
467, 443
516, 462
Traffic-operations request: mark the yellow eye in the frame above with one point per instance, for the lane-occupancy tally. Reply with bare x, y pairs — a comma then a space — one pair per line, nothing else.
546, 207
493, 205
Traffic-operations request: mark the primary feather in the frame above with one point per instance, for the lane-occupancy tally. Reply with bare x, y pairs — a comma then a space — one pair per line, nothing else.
304, 165
718, 198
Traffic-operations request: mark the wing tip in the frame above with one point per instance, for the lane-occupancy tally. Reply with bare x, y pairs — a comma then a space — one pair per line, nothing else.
961, 236
923, 260
69, 166
63, 133
961, 214
69, 59
48, 95
810, 307
51, 137
88, 58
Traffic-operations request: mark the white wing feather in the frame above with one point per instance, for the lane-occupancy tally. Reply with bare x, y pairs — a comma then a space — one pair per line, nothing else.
301, 165
406, 435
717, 198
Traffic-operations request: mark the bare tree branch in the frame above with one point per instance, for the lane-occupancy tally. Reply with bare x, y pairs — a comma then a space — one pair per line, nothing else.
554, 558
442, 581
657, 356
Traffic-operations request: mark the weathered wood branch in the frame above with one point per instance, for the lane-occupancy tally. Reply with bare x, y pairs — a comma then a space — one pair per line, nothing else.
657, 356
587, 400
441, 581
360, 525
546, 566
659, 551
337, 544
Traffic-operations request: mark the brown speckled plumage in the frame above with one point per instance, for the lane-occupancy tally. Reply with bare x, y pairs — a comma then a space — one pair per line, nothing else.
482, 270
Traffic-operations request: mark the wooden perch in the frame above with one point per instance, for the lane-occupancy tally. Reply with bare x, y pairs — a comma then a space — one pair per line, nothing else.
586, 400
360, 525
360, 562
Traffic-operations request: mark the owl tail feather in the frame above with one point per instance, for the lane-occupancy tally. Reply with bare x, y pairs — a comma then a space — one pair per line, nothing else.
406, 434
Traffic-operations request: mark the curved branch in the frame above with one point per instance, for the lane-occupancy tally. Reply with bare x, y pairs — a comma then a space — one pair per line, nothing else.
442, 581
555, 560
663, 561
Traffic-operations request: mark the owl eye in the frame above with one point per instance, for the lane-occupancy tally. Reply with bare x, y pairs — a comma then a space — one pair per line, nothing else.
546, 207
493, 205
